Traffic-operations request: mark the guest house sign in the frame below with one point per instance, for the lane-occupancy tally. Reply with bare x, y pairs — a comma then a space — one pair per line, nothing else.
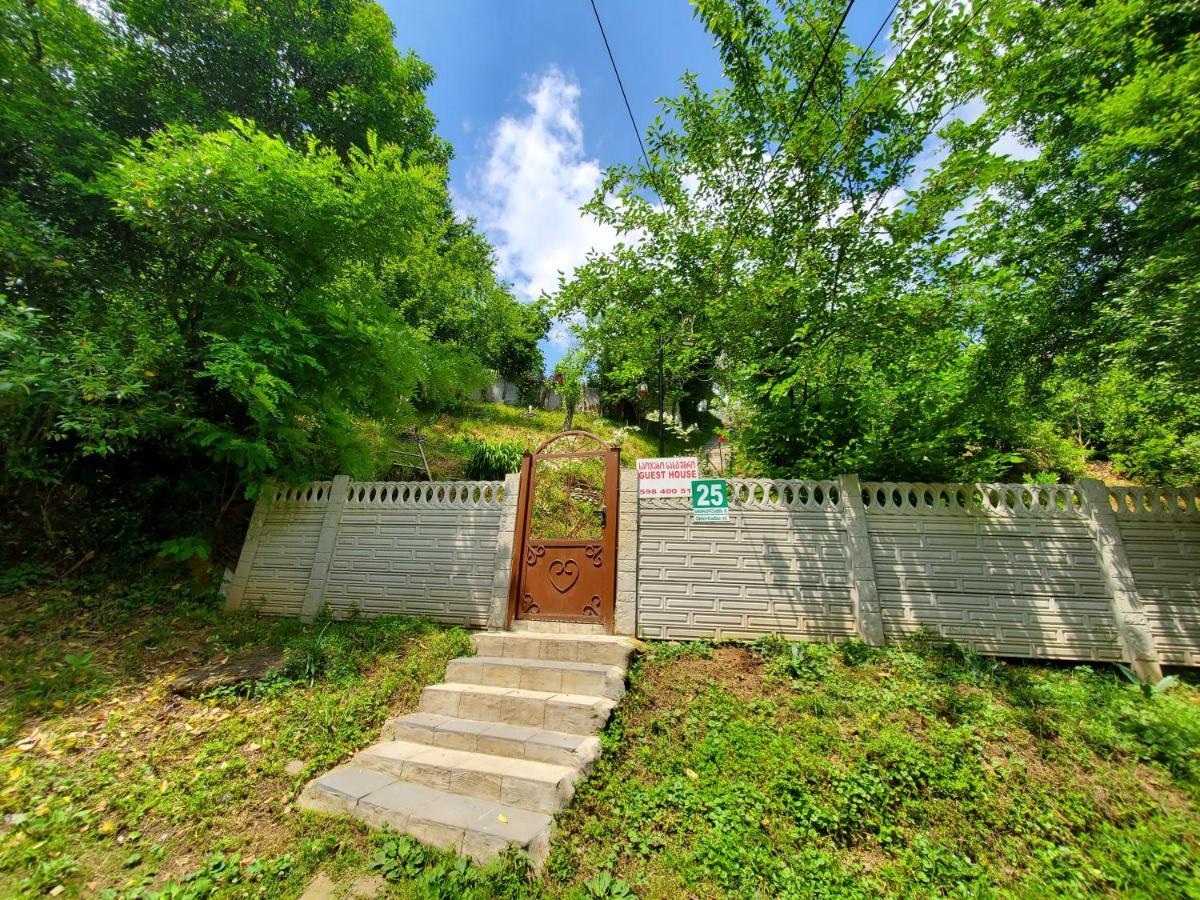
668, 477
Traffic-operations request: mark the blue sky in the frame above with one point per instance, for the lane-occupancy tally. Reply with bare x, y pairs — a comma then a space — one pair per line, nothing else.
526, 95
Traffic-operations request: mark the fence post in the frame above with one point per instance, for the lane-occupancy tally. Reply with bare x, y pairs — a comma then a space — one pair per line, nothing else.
339, 492
868, 619
498, 614
241, 574
625, 618
1133, 630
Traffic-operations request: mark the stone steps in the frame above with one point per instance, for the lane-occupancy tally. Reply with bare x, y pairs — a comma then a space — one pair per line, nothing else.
550, 675
497, 738
574, 713
491, 754
479, 829
542, 787
609, 651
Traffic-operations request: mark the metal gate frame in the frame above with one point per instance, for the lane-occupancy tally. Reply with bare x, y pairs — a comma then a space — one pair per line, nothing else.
611, 454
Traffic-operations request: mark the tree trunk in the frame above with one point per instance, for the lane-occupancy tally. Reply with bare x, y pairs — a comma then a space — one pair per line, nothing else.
570, 417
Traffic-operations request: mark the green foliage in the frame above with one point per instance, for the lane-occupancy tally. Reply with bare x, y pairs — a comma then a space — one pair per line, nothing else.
442, 875
998, 313
492, 460
185, 548
570, 374
1084, 255
668, 650
568, 499
799, 662
227, 250
110, 756
851, 771
222, 874
605, 887
19, 576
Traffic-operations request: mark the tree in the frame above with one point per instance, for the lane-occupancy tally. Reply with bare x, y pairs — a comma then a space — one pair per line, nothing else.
968, 320
570, 378
779, 263
227, 253
1086, 247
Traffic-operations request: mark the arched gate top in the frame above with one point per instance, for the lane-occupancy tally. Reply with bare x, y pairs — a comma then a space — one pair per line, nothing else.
572, 441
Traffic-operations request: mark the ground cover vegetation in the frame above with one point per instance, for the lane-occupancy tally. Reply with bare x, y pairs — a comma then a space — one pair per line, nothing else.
773, 769
797, 770
227, 254
1015, 302
487, 440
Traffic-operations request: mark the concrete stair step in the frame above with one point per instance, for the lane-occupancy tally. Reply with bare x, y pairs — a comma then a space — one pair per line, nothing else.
603, 649
515, 741
534, 626
557, 676
541, 787
474, 827
570, 713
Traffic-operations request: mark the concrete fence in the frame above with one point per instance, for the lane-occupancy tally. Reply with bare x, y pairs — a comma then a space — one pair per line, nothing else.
1080, 572
374, 548
511, 393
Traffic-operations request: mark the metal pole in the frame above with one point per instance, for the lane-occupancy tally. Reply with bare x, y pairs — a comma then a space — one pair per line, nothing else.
662, 422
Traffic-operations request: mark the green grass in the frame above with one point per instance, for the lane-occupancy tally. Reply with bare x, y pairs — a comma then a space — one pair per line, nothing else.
109, 780
777, 770
801, 770
448, 450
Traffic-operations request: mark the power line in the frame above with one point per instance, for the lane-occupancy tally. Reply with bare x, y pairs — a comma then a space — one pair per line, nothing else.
813, 80
833, 34
628, 108
883, 76
825, 112
957, 34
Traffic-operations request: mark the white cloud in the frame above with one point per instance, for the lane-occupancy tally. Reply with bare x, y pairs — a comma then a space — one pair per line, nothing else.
527, 194
1010, 144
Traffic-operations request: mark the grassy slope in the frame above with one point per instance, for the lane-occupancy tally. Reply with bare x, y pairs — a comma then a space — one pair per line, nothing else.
497, 422
109, 781
909, 771
829, 769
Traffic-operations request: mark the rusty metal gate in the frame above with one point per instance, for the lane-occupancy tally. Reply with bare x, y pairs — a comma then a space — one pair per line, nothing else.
564, 567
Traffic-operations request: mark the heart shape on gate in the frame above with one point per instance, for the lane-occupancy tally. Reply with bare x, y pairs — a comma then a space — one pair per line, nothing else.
563, 575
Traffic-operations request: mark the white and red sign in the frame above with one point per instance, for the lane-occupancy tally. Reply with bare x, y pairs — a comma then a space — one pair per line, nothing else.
668, 477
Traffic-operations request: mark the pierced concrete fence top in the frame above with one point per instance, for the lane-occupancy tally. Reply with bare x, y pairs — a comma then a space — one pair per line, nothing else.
375, 548
1069, 571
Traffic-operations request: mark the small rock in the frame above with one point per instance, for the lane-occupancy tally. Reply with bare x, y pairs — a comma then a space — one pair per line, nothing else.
320, 888
248, 666
295, 767
56, 890
366, 887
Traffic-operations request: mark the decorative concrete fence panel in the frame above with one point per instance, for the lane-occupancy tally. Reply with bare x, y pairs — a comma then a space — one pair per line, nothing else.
778, 566
280, 548
1010, 570
417, 549
374, 548
1160, 530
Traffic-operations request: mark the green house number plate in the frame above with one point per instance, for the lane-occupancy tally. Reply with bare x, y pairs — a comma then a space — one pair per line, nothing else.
710, 500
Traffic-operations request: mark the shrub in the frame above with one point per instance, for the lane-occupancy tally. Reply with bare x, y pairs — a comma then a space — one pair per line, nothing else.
492, 460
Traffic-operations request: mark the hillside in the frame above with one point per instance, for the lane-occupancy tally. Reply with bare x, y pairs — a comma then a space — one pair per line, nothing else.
447, 437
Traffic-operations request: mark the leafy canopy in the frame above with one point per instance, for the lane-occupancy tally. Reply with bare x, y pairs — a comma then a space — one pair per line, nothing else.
869, 305
227, 244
